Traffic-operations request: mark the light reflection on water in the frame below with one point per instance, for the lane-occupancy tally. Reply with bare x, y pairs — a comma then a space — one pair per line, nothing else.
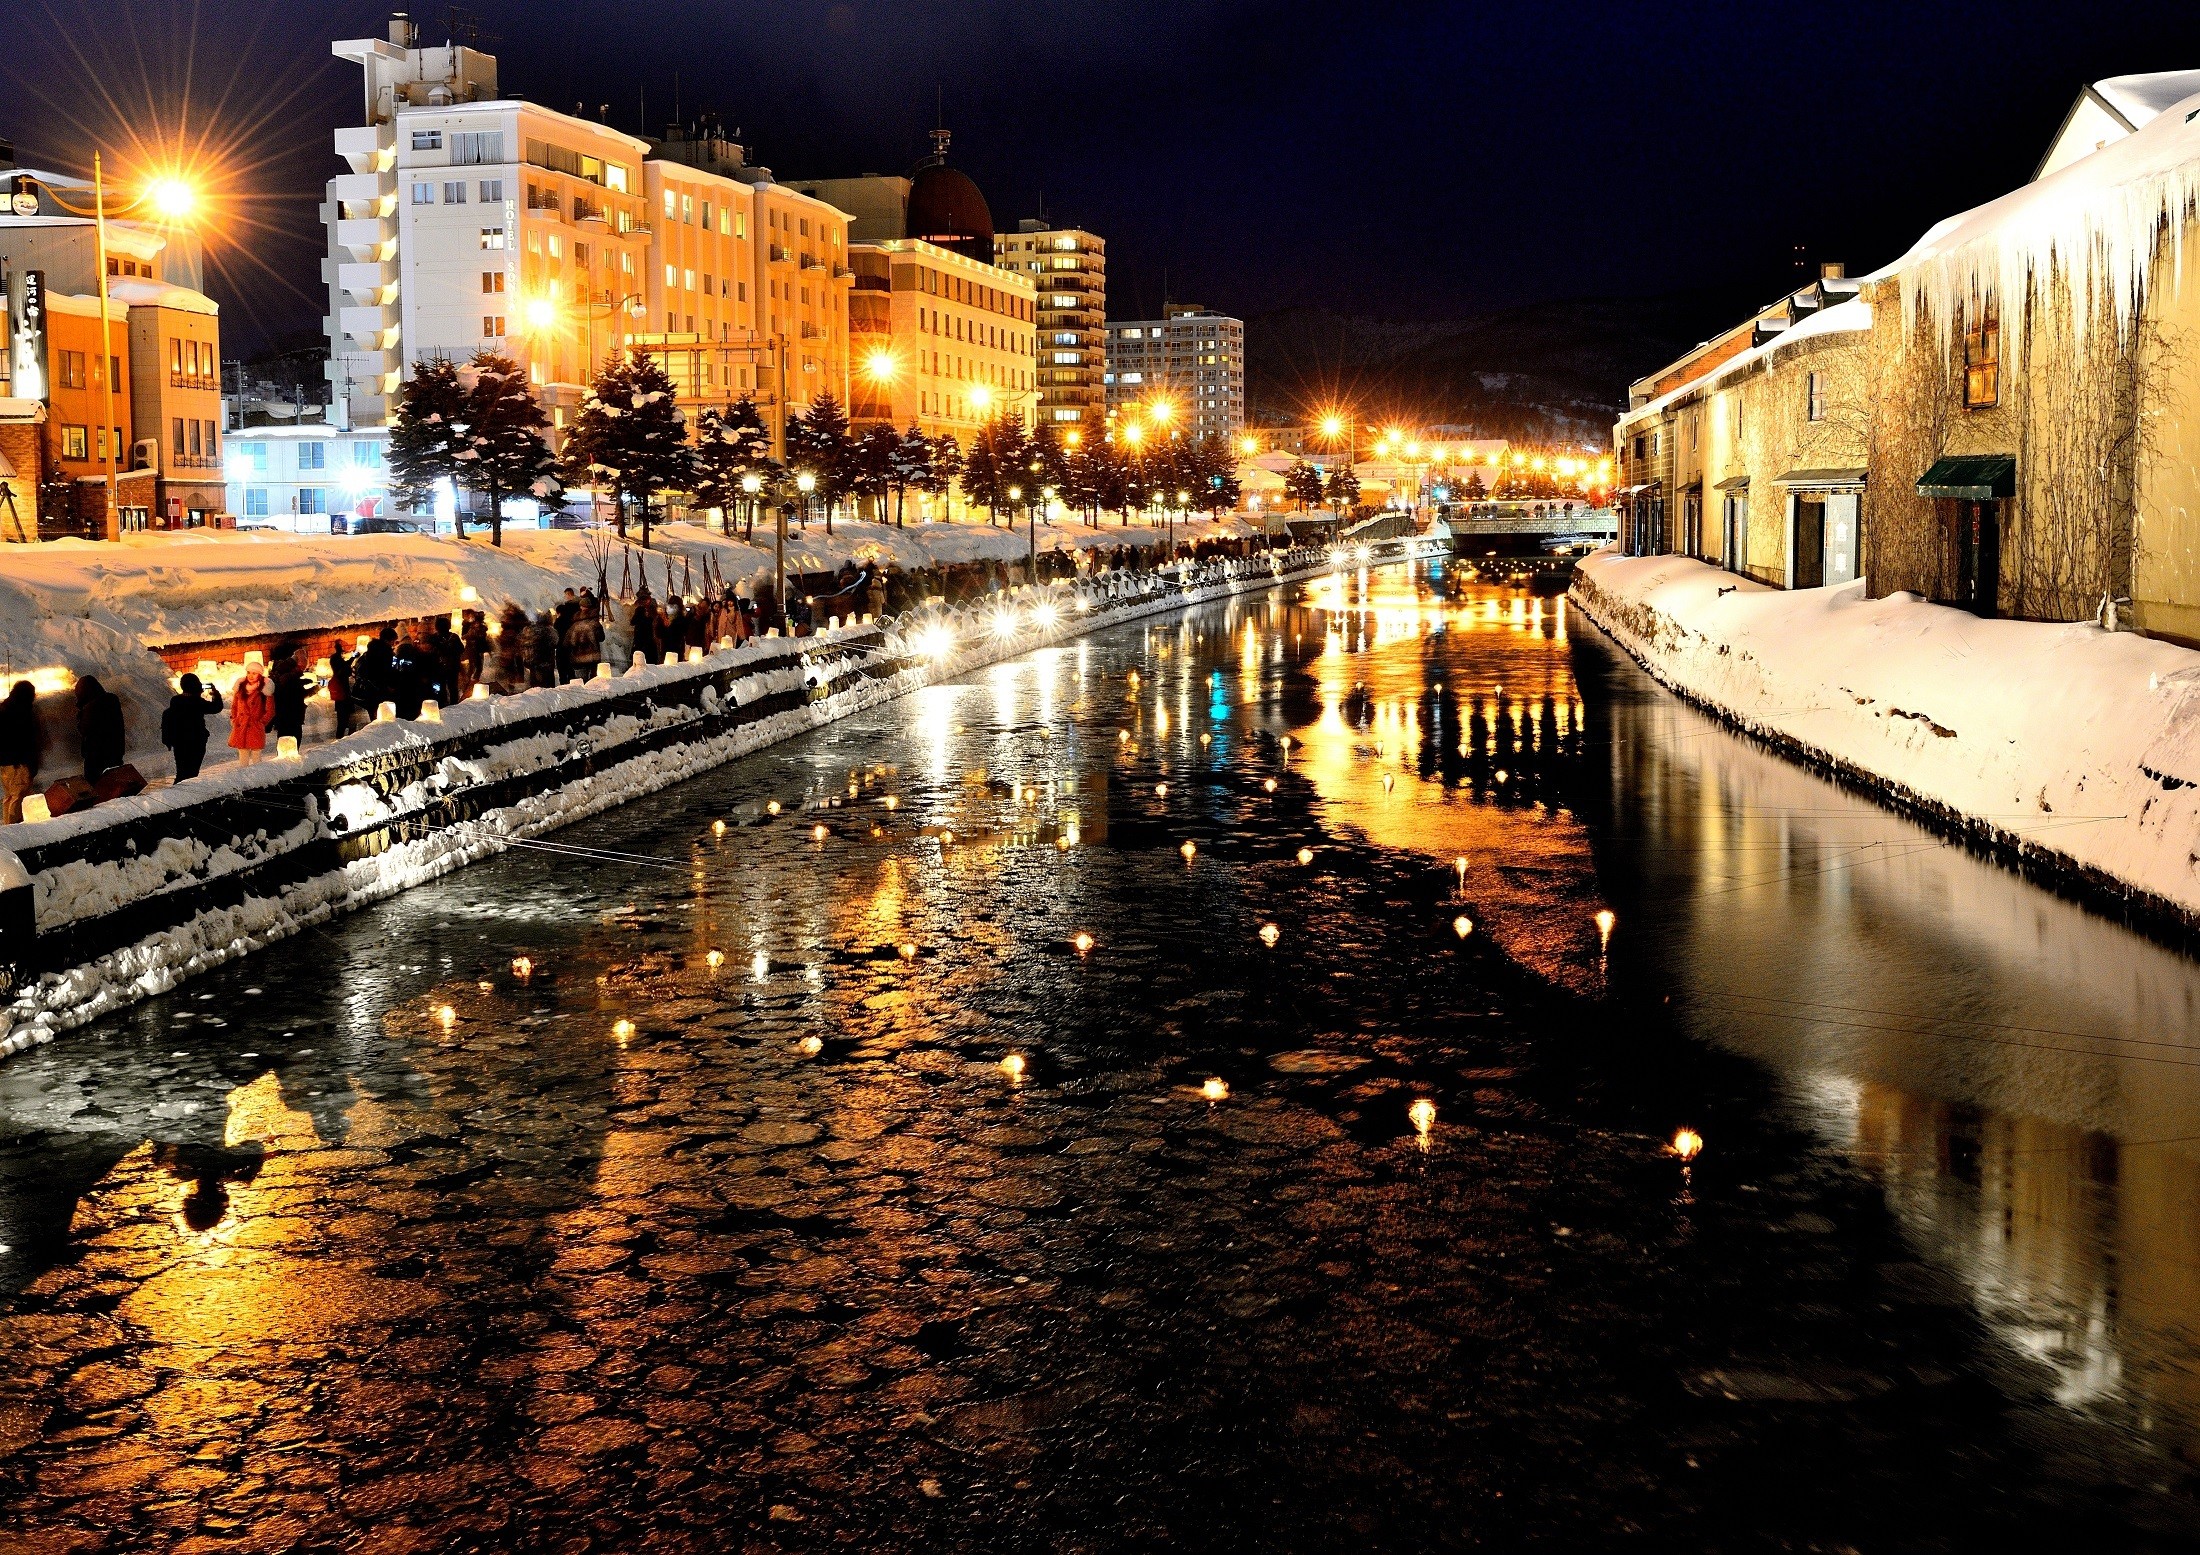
2020, 1075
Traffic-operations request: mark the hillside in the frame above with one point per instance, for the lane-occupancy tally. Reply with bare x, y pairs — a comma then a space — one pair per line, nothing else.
1550, 371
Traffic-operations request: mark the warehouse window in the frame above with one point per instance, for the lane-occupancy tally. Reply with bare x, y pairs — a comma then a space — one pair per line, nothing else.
1982, 355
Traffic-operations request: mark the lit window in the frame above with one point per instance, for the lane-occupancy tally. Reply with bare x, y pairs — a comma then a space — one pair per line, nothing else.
423, 194
1982, 355
492, 326
76, 442
492, 237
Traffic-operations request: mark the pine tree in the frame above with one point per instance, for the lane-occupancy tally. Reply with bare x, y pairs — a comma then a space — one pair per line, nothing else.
424, 435
818, 442
1343, 488
630, 436
943, 468
1215, 486
997, 463
1302, 483
871, 460
1474, 490
910, 467
729, 446
501, 450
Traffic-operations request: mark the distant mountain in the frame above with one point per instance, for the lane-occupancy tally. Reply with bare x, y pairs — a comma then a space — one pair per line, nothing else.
1553, 371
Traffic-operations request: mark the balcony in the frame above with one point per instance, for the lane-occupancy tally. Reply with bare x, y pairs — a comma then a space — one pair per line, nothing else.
369, 148
368, 285
812, 262
374, 328
375, 189
369, 242
780, 254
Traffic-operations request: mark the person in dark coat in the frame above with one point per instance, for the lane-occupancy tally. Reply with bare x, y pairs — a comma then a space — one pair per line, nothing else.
22, 746
374, 676
339, 689
450, 661
645, 624
289, 690
412, 676
98, 728
584, 645
476, 639
542, 663
183, 725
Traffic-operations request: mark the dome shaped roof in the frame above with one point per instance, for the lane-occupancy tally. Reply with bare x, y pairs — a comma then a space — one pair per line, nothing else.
946, 208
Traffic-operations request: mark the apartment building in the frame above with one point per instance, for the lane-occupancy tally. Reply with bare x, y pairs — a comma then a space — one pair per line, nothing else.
749, 281
1191, 361
161, 425
474, 220
308, 477
941, 339
1068, 267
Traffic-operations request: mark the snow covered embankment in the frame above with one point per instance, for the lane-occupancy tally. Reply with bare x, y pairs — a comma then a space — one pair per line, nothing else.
2060, 742
111, 905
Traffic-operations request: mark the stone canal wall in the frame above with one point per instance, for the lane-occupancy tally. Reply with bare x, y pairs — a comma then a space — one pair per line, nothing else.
2068, 751
110, 905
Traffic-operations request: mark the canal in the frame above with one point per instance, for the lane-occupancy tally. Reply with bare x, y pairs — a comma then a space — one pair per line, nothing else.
1357, 1068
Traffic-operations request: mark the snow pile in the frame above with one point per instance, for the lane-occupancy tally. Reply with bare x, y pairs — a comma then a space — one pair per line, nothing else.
2063, 741
844, 672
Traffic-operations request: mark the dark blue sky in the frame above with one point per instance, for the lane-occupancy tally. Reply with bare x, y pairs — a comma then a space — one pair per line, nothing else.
1378, 157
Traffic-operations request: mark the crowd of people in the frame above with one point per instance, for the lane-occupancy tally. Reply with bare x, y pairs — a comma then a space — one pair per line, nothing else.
437, 660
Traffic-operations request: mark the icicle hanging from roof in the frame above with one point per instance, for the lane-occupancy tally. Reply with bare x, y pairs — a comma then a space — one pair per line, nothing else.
2099, 224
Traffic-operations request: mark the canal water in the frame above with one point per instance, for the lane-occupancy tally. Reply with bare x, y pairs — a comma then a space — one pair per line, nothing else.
1357, 1068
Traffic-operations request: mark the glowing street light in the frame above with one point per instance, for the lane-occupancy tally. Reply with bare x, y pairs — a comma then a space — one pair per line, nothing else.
879, 366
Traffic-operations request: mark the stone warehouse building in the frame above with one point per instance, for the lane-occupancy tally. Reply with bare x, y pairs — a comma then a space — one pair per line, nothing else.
2009, 414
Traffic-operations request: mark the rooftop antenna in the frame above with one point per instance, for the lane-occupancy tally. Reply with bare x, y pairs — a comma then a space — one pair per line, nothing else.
675, 98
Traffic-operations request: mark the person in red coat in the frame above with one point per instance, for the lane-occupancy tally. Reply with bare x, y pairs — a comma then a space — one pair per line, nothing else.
251, 710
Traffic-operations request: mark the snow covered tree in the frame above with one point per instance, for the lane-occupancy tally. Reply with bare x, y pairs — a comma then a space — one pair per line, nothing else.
818, 444
630, 436
424, 436
1213, 467
909, 467
1302, 483
729, 446
1343, 489
871, 460
501, 450
943, 468
1474, 490
997, 464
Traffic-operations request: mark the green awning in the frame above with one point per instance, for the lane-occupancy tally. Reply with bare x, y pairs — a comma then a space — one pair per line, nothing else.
1971, 478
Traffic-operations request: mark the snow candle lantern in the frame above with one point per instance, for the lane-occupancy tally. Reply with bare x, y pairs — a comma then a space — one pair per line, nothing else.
695, 655
640, 659
35, 808
386, 713
458, 620
481, 691
364, 639
603, 671
206, 671
431, 712
672, 656
286, 747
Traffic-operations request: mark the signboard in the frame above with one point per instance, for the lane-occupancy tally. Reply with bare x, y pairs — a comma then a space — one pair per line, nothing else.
27, 335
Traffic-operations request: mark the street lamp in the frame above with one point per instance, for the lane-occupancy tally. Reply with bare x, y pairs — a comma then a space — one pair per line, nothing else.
171, 199
751, 484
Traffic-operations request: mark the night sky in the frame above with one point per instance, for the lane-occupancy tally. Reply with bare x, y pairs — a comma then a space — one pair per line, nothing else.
1387, 159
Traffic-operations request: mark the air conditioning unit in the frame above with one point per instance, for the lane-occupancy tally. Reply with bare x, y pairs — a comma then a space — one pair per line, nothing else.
145, 453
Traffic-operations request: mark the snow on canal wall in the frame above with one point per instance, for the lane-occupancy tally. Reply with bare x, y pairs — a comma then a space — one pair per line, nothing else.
110, 905
2062, 745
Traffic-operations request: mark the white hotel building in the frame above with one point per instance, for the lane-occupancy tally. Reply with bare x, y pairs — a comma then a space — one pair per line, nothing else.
471, 220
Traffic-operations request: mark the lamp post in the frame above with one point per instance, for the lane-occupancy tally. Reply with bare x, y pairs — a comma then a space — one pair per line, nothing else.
751, 484
170, 198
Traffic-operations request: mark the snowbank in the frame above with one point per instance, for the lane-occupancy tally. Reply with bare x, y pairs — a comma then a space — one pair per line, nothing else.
96, 607
2063, 742
230, 864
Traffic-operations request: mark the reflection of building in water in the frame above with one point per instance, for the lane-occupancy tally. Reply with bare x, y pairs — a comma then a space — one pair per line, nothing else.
2006, 1060
2082, 1251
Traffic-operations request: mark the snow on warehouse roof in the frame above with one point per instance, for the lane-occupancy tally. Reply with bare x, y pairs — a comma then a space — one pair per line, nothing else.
2097, 221
2141, 98
1843, 318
